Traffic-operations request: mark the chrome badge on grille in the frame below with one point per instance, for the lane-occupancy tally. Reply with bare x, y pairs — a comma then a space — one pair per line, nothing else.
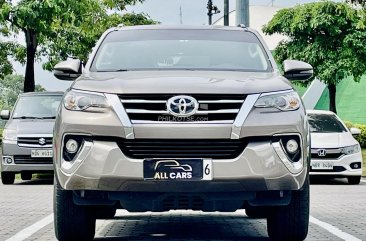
42, 141
182, 106
322, 152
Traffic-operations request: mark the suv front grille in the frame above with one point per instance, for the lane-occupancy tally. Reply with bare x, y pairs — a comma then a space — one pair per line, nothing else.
182, 148
212, 108
46, 142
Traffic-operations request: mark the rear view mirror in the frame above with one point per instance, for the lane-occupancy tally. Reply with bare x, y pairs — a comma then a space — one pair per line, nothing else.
5, 114
355, 131
297, 70
68, 70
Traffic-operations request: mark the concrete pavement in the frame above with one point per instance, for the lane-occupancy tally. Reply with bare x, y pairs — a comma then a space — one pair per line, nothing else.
338, 212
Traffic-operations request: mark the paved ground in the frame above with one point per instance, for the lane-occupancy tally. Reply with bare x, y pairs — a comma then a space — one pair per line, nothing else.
338, 213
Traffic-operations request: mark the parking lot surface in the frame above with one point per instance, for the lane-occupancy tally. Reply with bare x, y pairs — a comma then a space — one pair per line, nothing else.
338, 212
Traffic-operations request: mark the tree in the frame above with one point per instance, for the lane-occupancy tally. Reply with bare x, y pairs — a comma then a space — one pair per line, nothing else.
361, 2
56, 29
5, 65
10, 87
328, 35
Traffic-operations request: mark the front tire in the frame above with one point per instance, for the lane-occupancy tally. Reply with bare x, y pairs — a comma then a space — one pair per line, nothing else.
291, 223
71, 221
354, 180
7, 178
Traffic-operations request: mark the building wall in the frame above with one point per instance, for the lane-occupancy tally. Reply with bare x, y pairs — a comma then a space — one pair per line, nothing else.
259, 16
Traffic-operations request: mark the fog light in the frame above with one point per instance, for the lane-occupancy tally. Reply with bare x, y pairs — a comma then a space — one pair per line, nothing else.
8, 160
356, 165
292, 147
72, 146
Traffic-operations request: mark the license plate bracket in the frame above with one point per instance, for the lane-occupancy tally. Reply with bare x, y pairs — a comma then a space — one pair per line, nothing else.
177, 169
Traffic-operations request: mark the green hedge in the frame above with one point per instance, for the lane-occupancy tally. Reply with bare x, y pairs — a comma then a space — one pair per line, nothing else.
361, 138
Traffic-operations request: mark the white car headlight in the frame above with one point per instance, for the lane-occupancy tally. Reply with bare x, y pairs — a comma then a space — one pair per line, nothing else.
351, 149
82, 101
287, 101
10, 135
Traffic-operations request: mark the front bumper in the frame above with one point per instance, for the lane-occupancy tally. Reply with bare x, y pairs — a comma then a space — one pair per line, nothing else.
11, 149
101, 165
341, 166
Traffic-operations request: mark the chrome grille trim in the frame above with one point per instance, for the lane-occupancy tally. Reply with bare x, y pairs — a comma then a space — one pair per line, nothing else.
143, 111
152, 109
118, 108
243, 114
32, 141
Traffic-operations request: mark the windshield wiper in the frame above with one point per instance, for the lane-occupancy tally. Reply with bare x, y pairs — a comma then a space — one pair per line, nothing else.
113, 70
34, 117
25, 117
47, 117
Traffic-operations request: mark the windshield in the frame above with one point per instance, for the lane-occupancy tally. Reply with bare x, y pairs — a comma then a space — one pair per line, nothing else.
181, 50
322, 123
37, 107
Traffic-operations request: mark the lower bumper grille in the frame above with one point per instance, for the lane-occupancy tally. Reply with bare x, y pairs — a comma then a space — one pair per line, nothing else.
29, 160
335, 169
176, 202
183, 148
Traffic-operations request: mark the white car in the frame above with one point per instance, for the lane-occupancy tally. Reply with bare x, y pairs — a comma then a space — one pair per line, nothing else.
334, 150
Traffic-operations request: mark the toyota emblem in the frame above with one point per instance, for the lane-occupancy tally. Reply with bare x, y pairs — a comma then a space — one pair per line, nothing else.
182, 106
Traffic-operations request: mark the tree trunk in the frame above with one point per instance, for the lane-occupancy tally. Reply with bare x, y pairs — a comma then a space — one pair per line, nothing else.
332, 97
31, 41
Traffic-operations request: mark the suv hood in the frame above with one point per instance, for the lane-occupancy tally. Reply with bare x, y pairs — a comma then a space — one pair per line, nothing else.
180, 81
332, 140
31, 126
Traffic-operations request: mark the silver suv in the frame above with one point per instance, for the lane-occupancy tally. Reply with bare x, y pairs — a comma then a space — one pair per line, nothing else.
198, 118
27, 137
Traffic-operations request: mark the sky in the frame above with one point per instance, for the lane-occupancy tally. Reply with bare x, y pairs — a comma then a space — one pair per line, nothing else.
167, 12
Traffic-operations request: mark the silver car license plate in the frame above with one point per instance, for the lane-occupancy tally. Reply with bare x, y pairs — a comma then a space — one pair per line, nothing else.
42, 153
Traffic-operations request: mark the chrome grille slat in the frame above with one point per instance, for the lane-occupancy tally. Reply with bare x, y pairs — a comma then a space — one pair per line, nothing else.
143, 111
144, 101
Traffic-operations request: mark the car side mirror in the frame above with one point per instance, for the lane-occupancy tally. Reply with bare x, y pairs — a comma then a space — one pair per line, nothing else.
297, 70
355, 131
5, 114
68, 70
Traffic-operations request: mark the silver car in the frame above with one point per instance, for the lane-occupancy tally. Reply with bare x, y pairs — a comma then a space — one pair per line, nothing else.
334, 150
27, 136
164, 118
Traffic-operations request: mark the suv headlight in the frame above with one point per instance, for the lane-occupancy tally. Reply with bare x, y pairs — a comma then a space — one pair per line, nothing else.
10, 135
81, 101
351, 149
287, 101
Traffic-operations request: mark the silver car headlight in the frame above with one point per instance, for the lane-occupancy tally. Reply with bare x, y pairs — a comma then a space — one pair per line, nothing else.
351, 149
83, 101
287, 101
10, 135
